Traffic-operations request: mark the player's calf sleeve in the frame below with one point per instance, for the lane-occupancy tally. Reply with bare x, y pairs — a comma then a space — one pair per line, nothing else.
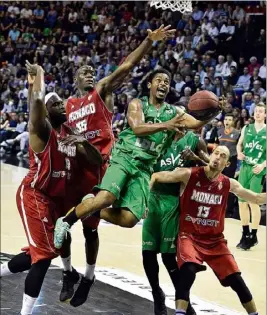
18, 263
169, 260
237, 283
91, 249
35, 277
151, 267
187, 277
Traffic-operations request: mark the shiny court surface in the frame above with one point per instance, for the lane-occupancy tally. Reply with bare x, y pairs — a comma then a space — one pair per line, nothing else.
120, 266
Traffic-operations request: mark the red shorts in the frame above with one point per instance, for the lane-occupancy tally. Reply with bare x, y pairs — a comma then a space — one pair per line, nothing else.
216, 254
39, 215
84, 185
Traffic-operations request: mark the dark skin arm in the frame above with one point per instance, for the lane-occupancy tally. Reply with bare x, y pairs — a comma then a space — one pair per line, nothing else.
200, 156
106, 86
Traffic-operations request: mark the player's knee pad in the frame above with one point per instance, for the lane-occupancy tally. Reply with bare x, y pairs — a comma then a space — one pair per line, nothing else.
237, 283
187, 277
169, 260
90, 234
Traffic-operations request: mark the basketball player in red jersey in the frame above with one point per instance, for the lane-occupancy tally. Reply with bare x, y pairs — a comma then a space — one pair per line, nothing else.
91, 115
203, 201
41, 196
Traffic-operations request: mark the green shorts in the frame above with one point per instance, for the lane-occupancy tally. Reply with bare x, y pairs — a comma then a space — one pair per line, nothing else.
160, 228
249, 180
126, 180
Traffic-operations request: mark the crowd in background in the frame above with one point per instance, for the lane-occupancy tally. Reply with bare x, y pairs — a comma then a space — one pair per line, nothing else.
219, 47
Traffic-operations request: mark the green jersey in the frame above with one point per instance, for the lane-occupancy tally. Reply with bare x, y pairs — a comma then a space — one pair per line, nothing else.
254, 145
148, 148
172, 159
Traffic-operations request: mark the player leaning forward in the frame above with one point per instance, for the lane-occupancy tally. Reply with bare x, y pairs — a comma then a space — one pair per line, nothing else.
203, 201
151, 126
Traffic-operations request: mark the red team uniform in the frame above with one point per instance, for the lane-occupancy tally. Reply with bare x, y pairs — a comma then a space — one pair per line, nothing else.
202, 211
89, 116
42, 194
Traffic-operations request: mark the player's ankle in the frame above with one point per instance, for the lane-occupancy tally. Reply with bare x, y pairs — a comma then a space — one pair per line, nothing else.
71, 218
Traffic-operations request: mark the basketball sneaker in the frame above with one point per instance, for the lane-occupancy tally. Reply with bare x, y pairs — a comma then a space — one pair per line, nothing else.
81, 294
159, 302
245, 242
253, 240
60, 233
69, 279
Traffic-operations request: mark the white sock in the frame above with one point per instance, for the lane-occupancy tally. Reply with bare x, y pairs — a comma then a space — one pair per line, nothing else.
5, 270
89, 271
255, 313
180, 312
67, 263
27, 305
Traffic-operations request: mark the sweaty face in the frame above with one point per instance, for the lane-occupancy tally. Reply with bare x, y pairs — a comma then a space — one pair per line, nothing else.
228, 121
86, 78
56, 110
259, 114
160, 86
219, 158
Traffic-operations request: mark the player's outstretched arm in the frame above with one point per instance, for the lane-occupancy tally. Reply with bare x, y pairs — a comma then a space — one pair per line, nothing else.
115, 80
39, 128
136, 120
179, 175
245, 194
239, 146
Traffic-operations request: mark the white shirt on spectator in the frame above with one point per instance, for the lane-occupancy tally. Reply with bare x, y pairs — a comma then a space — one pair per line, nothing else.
197, 16
73, 16
86, 29
218, 69
230, 29
262, 72
226, 68
13, 9
23, 93
101, 19
213, 32
196, 40
8, 107
21, 126
179, 86
209, 14
180, 39
261, 92
238, 15
244, 81
205, 27
25, 13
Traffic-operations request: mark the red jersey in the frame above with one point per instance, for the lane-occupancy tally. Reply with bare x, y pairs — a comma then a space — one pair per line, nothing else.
203, 205
90, 117
50, 170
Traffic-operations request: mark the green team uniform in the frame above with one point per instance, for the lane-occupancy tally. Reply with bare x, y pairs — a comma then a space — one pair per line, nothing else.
160, 228
133, 159
254, 149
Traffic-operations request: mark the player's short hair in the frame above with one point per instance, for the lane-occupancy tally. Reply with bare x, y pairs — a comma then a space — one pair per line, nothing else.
229, 115
154, 73
261, 104
90, 64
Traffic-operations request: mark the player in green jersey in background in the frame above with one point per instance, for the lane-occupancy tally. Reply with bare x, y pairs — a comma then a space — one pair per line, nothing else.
160, 228
251, 150
151, 126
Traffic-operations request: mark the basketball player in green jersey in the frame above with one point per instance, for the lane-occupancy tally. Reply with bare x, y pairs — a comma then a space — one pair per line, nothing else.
151, 125
160, 228
251, 150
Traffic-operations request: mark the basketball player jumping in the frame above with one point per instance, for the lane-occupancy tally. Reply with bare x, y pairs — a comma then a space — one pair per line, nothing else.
150, 129
160, 228
203, 201
41, 196
91, 115
251, 150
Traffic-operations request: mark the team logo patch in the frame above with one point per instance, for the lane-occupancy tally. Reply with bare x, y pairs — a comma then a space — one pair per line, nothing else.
220, 186
89, 97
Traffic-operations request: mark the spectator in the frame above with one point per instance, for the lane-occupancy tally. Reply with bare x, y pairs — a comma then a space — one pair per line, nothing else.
245, 118
256, 101
180, 37
244, 80
208, 85
218, 87
238, 14
262, 72
209, 13
8, 106
205, 25
210, 132
253, 64
247, 100
233, 77
197, 14
220, 66
14, 33
196, 38
179, 82
188, 51
227, 65
213, 30
257, 89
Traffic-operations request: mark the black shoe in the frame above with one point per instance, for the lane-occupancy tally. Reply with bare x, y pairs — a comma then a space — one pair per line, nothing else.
246, 243
81, 294
253, 240
69, 279
241, 241
159, 302
190, 310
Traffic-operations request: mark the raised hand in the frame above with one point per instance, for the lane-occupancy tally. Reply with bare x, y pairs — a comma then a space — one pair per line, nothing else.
161, 33
32, 69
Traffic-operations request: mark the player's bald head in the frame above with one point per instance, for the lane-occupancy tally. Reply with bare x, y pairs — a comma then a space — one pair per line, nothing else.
223, 150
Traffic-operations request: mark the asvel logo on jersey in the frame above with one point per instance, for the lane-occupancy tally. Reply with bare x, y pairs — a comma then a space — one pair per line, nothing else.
69, 150
82, 112
208, 198
171, 160
254, 145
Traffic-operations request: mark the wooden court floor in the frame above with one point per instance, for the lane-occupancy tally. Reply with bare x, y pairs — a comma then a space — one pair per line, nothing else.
121, 249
